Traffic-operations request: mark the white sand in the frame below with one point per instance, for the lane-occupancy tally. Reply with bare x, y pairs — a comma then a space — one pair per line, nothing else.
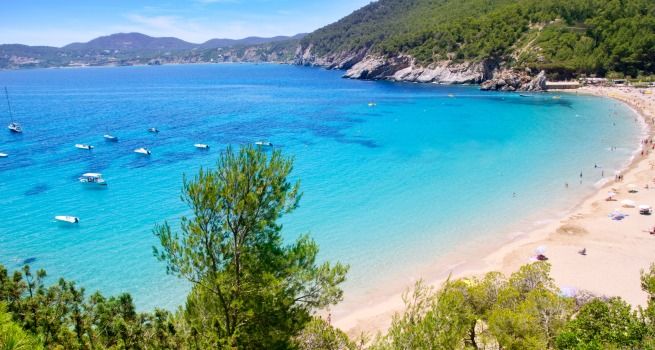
616, 250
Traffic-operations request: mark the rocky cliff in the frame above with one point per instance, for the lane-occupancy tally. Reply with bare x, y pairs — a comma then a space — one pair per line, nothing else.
405, 68
363, 65
515, 80
305, 56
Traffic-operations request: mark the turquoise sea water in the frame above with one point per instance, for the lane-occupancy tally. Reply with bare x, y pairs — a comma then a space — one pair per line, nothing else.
387, 189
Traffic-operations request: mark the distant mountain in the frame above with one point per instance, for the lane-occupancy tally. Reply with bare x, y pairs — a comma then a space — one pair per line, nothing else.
131, 42
142, 42
123, 49
137, 48
249, 41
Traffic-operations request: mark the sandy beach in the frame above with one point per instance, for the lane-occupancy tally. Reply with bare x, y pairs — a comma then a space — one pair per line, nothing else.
616, 250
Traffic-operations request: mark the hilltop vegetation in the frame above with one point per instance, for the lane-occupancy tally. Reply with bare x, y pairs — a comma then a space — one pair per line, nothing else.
579, 36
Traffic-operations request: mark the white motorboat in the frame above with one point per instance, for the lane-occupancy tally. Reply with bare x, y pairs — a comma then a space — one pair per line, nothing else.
4, 155
201, 146
14, 127
93, 178
111, 138
67, 219
264, 143
83, 146
142, 150
153, 130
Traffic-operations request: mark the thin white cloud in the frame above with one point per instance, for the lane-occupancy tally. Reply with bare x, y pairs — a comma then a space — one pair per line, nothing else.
216, 1
55, 36
162, 26
197, 22
202, 29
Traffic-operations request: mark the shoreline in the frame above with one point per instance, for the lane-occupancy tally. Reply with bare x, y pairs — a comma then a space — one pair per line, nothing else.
616, 250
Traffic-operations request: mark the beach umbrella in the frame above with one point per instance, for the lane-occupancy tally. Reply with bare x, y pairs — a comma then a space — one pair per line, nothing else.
540, 249
632, 187
628, 203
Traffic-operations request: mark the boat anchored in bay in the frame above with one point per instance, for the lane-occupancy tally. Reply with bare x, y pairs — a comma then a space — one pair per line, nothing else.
67, 219
93, 178
110, 138
142, 150
13, 126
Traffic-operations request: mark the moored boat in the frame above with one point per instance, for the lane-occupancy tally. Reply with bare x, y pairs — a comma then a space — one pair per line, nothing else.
4, 155
83, 146
142, 150
67, 219
201, 146
153, 130
93, 178
110, 138
264, 143
15, 127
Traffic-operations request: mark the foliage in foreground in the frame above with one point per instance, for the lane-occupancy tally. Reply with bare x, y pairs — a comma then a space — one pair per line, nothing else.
60, 316
524, 311
249, 289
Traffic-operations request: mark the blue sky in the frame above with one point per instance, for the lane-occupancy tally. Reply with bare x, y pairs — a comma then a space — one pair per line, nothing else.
56, 23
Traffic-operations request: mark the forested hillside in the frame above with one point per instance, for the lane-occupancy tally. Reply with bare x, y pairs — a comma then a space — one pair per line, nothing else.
580, 36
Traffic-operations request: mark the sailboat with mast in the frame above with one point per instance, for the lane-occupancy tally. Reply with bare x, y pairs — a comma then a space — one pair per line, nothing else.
13, 126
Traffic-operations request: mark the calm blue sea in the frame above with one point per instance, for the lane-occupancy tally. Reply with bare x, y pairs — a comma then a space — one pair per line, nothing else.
387, 189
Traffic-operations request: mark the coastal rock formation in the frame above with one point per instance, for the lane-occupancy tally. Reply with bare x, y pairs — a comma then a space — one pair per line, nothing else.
339, 60
405, 68
513, 80
362, 65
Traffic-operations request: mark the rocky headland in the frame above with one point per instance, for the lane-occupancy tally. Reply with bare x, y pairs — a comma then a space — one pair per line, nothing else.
490, 74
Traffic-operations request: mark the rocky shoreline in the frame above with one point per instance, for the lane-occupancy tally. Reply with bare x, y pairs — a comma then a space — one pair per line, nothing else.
490, 74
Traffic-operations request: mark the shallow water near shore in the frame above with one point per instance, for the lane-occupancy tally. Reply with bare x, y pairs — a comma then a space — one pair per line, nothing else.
387, 188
